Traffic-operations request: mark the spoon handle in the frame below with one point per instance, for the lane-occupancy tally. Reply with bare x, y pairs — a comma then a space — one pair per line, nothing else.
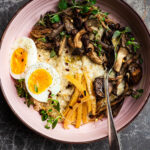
112, 134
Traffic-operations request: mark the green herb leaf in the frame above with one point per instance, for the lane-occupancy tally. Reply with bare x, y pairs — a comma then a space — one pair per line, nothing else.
103, 19
74, 2
35, 88
95, 32
21, 80
138, 93
116, 34
116, 38
29, 102
100, 49
132, 39
92, 2
135, 45
50, 110
42, 112
62, 5
52, 95
136, 96
42, 40
44, 117
57, 107
52, 54
106, 13
50, 120
127, 29
95, 11
54, 100
85, 9
62, 33
55, 122
140, 90
55, 18
47, 126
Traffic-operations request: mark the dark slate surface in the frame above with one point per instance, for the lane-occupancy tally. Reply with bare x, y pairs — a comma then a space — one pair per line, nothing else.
15, 136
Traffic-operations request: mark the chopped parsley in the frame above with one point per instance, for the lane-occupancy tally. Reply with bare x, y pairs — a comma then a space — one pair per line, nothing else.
36, 88
137, 94
62, 5
55, 18
21, 90
42, 39
55, 103
135, 44
51, 121
52, 53
99, 46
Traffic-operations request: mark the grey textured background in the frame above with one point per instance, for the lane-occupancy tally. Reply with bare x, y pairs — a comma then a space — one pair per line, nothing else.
15, 136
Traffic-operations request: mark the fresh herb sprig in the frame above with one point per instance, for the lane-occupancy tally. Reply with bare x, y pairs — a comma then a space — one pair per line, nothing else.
51, 121
55, 104
134, 43
42, 39
137, 94
99, 46
118, 35
52, 53
21, 90
45, 115
63, 7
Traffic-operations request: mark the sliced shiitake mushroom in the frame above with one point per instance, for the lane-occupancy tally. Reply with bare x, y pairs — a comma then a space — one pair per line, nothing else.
42, 45
134, 74
56, 32
62, 46
40, 31
122, 53
70, 42
77, 39
78, 51
123, 40
68, 24
93, 55
98, 85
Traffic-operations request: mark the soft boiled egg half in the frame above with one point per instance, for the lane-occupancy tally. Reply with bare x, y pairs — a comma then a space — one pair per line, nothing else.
42, 80
23, 55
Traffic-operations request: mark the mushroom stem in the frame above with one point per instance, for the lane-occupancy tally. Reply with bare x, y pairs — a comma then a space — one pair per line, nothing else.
77, 39
62, 46
121, 55
93, 55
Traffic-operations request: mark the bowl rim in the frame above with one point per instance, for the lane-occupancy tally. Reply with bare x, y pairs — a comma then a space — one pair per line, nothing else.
43, 135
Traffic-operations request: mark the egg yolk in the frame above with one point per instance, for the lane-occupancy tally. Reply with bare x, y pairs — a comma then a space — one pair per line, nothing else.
39, 81
18, 61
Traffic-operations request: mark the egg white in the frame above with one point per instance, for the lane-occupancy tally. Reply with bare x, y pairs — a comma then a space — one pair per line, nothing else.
29, 46
54, 87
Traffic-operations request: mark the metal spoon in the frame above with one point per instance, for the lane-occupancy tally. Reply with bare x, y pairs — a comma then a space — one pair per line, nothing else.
112, 134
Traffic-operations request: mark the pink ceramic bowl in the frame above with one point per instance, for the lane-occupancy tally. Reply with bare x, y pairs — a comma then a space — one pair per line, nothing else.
22, 24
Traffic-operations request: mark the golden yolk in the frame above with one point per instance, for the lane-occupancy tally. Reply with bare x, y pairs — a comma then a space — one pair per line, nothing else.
39, 81
18, 61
